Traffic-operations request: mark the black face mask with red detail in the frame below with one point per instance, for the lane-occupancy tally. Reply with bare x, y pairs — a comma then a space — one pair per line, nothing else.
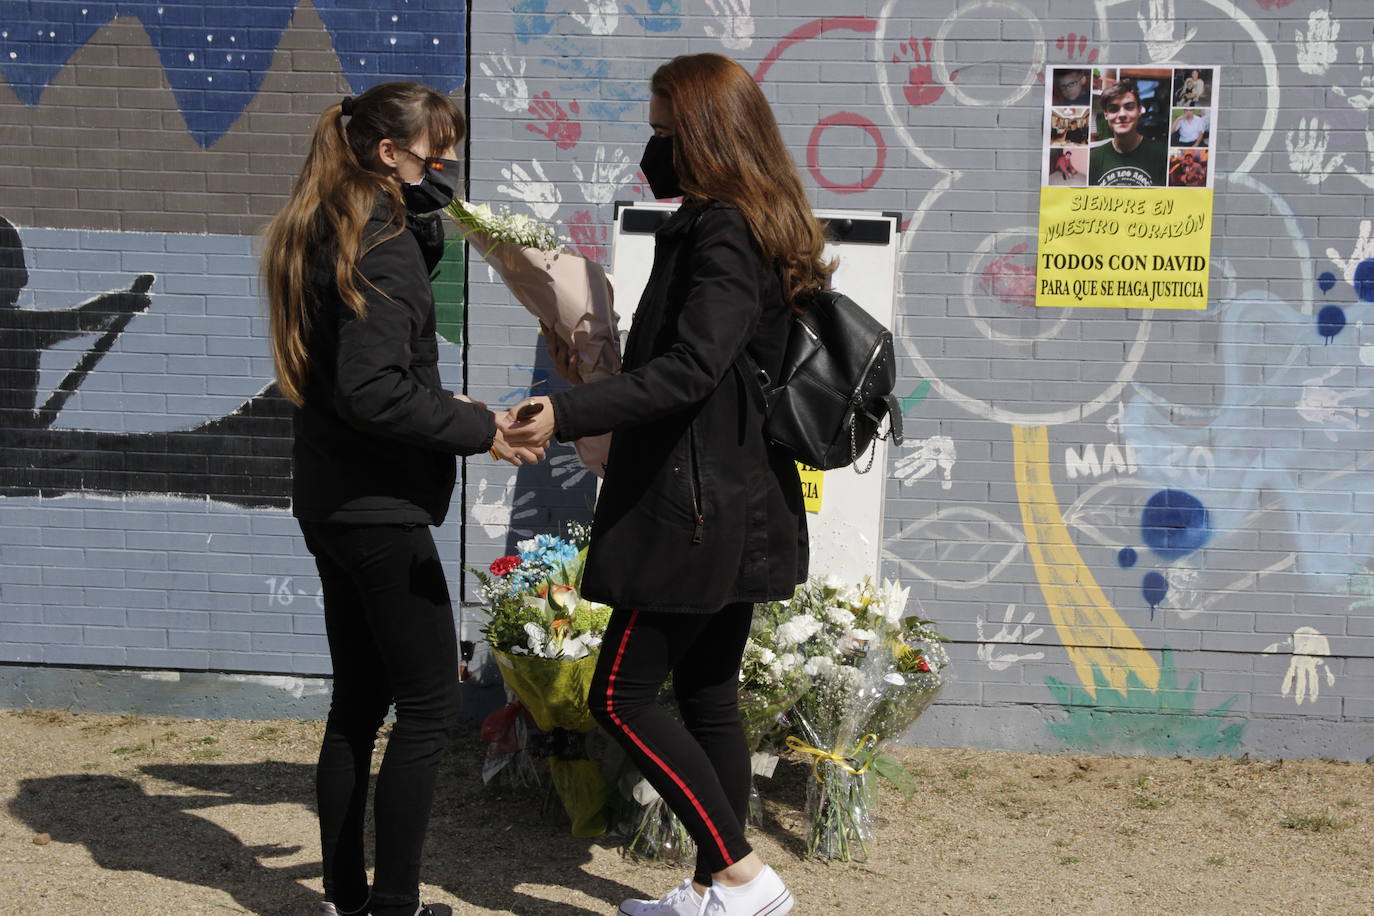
436, 189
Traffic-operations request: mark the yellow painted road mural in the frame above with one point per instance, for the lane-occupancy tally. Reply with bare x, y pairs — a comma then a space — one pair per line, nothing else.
1092, 632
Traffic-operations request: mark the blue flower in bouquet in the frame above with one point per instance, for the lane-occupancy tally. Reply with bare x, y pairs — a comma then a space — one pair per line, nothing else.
539, 557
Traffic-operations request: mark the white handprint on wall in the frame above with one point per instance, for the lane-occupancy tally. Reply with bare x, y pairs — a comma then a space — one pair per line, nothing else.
1363, 250
1363, 100
1157, 27
925, 457
735, 23
1317, 49
512, 92
602, 16
1307, 665
1307, 151
991, 648
500, 515
1322, 405
542, 195
606, 176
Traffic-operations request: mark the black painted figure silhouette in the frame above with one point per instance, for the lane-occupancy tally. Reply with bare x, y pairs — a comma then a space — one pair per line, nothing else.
243, 458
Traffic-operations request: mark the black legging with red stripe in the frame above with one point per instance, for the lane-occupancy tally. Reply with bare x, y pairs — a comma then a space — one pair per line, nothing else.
699, 765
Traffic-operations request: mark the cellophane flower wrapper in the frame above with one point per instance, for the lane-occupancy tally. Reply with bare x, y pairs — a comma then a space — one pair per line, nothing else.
570, 296
830, 717
767, 693
508, 760
651, 831
555, 693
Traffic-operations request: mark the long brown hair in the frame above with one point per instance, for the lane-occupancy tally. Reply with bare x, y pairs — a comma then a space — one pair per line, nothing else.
331, 202
727, 147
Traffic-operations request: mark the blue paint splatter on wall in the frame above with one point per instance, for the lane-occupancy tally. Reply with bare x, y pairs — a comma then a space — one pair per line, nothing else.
1364, 280
1126, 557
1330, 321
1154, 587
532, 20
216, 55
1327, 280
1174, 524
662, 15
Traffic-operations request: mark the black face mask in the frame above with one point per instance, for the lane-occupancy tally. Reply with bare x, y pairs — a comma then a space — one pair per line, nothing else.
657, 166
436, 189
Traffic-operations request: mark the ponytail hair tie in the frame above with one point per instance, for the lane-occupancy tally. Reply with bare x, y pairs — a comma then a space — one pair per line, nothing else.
346, 106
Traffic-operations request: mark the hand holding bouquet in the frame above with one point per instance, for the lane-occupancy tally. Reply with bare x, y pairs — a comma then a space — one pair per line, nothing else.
570, 296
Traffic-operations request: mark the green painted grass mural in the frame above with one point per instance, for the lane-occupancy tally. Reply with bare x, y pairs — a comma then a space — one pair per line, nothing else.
1139, 720
448, 292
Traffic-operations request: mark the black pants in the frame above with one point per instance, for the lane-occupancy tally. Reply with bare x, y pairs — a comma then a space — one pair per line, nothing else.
700, 766
391, 639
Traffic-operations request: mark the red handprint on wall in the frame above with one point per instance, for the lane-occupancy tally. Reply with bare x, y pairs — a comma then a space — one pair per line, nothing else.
558, 127
1074, 46
1009, 281
921, 87
589, 239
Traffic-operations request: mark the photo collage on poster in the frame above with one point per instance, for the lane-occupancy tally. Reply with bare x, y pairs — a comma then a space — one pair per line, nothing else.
1130, 127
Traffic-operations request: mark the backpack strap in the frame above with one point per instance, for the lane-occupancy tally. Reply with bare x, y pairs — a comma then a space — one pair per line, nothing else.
894, 420
756, 381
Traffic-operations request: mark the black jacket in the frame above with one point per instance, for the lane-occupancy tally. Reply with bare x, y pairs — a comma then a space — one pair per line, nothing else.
695, 511
376, 438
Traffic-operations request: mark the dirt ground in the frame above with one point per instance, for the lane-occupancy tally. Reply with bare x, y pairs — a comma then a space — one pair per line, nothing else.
190, 816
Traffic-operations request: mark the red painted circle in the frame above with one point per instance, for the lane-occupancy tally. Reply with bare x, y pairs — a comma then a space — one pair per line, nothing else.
813, 156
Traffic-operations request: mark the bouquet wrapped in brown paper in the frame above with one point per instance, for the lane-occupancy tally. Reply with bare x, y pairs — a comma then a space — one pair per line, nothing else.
569, 295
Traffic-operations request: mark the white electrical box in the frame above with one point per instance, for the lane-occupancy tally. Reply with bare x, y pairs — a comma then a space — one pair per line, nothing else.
846, 526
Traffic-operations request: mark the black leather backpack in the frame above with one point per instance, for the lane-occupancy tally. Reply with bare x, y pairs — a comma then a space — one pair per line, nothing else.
835, 387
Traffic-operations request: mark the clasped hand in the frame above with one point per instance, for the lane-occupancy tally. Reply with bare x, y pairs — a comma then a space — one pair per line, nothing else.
533, 433
520, 448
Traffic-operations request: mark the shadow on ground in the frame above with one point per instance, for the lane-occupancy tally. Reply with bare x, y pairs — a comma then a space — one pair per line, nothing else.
490, 849
126, 828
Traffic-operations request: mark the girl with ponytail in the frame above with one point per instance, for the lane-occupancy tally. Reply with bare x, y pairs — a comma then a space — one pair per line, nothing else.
345, 268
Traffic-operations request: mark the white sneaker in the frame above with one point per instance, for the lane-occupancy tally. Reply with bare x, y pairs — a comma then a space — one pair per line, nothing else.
766, 895
682, 900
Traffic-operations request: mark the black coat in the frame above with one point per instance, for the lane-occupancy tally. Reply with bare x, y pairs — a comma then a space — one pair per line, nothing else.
376, 438
696, 511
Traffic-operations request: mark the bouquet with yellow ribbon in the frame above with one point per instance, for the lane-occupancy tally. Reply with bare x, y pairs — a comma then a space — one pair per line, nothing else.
873, 670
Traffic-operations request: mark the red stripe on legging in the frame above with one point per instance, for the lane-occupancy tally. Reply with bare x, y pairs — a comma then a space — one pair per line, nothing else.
610, 710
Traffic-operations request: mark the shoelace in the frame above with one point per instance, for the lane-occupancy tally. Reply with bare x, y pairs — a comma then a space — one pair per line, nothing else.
706, 899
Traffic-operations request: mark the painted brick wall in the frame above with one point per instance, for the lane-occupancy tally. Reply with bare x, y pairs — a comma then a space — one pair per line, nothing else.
144, 455
1263, 641
1027, 427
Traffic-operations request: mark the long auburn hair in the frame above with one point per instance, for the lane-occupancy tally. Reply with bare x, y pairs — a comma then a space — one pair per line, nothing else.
331, 202
727, 147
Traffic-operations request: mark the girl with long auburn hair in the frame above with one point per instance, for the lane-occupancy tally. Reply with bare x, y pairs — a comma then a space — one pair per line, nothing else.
345, 267
698, 518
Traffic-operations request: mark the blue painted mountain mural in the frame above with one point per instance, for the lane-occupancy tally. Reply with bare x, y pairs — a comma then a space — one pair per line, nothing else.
216, 55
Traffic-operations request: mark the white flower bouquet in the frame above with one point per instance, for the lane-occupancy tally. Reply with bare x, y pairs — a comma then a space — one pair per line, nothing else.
873, 672
570, 295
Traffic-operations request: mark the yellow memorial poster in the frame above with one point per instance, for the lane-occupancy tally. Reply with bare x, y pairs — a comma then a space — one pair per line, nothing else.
1126, 187
812, 486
